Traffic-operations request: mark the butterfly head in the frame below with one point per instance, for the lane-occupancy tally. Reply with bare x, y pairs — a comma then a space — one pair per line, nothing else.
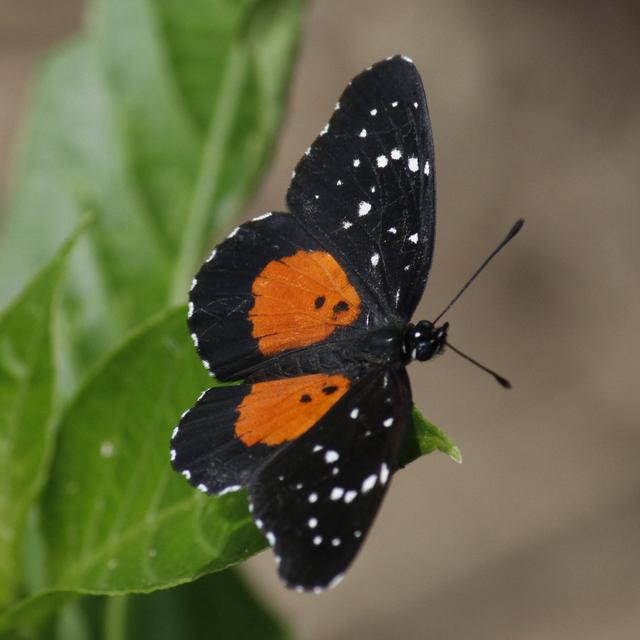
424, 340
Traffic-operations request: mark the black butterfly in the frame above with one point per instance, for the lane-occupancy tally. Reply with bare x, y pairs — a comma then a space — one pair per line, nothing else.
311, 310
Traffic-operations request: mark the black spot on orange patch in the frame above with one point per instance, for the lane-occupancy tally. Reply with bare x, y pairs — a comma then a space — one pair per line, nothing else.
341, 306
277, 410
300, 300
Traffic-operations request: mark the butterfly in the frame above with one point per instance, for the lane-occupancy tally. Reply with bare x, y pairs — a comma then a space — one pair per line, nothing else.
310, 312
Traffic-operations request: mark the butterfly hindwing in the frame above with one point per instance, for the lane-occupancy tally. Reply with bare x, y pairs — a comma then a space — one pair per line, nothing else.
232, 430
366, 185
204, 447
316, 498
266, 293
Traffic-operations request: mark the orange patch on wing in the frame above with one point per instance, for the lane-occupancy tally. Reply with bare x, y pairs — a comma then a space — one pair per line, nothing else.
301, 300
280, 410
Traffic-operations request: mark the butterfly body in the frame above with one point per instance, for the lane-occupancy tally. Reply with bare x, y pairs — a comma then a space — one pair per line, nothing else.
309, 312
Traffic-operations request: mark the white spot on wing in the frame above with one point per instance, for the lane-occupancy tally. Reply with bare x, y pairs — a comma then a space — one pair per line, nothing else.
336, 493
262, 217
394, 104
426, 168
202, 487
369, 482
172, 455
396, 154
382, 161
407, 59
339, 183
392, 230
372, 189
346, 224
271, 539
331, 456
233, 233
364, 208
317, 540
187, 474
312, 523
373, 112
415, 105
313, 497
350, 496
354, 413
375, 258
384, 473
336, 581
190, 312
413, 164
230, 489
356, 162
363, 133
325, 129
212, 255
335, 542
174, 433
414, 238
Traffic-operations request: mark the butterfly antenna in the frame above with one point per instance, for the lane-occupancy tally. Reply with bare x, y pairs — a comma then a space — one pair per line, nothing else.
512, 233
501, 380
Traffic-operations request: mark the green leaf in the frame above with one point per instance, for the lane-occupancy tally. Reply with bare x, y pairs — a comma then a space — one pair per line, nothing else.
27, 380
118, 518
220, 605
27, 617
158, 120
216, 606
426, 438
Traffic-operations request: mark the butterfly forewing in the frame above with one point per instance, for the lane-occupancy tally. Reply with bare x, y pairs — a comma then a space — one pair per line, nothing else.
366, 185
316, 499
271, 301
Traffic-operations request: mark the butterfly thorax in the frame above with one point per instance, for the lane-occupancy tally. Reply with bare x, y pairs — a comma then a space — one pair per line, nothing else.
404, 342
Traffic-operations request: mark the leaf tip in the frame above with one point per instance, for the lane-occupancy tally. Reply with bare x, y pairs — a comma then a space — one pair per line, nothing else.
455, 454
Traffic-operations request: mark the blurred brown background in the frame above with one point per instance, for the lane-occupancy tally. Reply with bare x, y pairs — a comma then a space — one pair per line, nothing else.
536, 113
